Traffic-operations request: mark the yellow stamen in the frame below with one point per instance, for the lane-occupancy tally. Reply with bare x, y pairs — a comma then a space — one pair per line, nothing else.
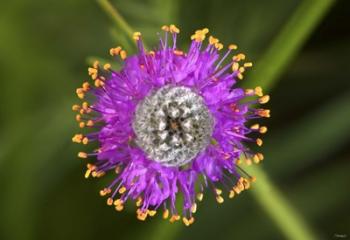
232, 46
219, 199
264, 99
166, 214
122, 190
165, 28
119, 208
87, 173
248, 64
85, 140
263, 130
185, 221
123, 54
82, 155
86, 86
77, 138
152, 212
107, 66
90, 123
255, 126
75, 107
194, 208
174, 29
232, 194
109, 201
218, 191
263, 113
136, 36
138, 202
200, 196
115, 51
258, 91
259, 142
235, 66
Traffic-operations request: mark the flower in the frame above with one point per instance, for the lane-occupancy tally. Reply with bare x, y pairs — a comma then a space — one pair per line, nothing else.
170, 123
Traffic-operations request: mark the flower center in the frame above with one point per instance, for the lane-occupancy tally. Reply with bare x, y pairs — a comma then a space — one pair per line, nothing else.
172, 125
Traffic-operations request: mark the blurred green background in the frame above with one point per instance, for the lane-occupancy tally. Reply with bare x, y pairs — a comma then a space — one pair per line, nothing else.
301, 51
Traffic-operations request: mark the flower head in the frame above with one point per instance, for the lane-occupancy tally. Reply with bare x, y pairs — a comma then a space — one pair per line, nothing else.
170, 123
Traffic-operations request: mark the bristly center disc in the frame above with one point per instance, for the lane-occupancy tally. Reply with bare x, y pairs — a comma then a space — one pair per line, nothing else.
172, 125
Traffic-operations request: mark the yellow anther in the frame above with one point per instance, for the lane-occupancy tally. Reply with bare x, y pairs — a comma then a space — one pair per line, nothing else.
218, 191
231, 194
246, 183
219, 46
152, 212
141, 215
166, 214
81, 124
96, 64
240, 184
235, 66
174, 218
165, 28
213, 40
87, 173
123, 54
78, 117
248, 64
80, 93
205, 30
138, 202
236, 190
117, 169
264, 99
174, 29
219, 199
200, 196
109, 201
178, 52
85, 140
107, 66
82, 155
232, 46
75, 107
255, 126
98, 83
122, 190
118, 202
241, 69
86, 86
240, 76
239, 161
92, 70
90, 123
256, 158
260, 156
263, 129
119, 208
194, 207
258, 91
259, 142
115, 51
263, 112
77, 138
185, 221
249, 92
136, 36
85, 105
152, 53
248, 161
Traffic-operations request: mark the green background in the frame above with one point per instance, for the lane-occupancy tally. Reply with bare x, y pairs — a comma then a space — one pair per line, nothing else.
300, 50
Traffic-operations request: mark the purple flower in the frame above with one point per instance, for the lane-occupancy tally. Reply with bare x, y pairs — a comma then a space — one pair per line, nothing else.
170, 123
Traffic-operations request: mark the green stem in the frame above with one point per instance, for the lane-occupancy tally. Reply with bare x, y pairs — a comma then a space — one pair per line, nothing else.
115, 15
278, 208
288, 42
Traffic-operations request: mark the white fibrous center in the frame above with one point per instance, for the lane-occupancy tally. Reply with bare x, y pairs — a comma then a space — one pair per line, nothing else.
172, 125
